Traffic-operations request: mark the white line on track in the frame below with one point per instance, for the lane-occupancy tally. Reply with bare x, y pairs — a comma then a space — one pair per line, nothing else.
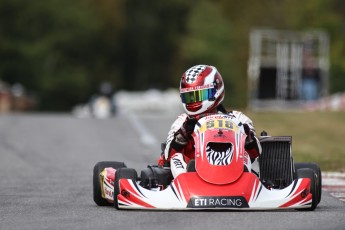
145, 136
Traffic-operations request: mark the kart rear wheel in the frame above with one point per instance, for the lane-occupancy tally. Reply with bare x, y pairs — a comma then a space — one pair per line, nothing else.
99, 167
315, 167
309, 173
123, 173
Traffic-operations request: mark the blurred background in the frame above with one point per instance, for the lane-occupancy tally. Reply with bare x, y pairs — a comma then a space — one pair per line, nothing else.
56, 54
98, 58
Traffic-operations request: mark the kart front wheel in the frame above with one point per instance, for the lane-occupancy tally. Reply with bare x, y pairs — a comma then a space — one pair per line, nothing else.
315, 167
309, 173
99, 167
123, 173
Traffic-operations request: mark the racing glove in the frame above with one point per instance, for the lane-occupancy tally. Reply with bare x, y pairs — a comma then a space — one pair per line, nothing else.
184, 134
161, 161
252, 144
189, 125
179, 135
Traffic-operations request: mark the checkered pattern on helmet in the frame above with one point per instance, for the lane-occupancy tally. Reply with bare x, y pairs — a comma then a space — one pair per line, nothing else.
193, 73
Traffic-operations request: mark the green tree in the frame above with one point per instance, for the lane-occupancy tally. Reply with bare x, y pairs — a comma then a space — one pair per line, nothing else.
59, 49
151, 42
209, 40
63, 49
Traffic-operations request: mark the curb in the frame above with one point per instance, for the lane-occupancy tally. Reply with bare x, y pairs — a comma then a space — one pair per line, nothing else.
334, 184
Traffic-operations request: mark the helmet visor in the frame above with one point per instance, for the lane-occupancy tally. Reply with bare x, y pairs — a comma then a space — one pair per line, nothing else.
198, 95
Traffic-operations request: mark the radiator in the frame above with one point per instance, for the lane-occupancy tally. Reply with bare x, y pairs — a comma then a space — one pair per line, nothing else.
275, 162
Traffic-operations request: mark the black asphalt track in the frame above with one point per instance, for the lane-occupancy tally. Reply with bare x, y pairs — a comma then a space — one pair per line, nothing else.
46, 163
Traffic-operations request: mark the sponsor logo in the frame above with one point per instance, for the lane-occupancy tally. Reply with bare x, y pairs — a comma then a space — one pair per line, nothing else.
304, 193
218, 202
109, 193
177, 163
218, 116
125, 193
190, 89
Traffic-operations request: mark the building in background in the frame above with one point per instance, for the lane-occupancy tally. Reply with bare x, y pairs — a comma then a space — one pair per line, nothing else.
287, 68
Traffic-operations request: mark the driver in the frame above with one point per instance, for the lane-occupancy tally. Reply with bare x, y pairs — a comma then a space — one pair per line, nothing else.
201, 91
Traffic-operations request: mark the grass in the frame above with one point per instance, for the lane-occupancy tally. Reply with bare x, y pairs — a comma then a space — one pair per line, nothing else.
316, 136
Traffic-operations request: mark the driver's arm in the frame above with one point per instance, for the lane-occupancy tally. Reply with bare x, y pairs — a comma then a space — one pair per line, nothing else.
175, 140
252, 144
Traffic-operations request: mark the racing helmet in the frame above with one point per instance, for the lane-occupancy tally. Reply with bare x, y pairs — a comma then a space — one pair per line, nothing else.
201, 89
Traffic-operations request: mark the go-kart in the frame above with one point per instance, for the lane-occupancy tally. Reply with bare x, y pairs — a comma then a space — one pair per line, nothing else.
220, 176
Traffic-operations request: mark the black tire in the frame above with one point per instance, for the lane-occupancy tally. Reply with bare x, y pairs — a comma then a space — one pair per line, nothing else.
315, 167
309, 173
99, 167
123, 173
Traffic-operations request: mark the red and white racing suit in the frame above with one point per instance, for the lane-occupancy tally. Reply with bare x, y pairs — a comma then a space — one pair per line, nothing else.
180, 150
